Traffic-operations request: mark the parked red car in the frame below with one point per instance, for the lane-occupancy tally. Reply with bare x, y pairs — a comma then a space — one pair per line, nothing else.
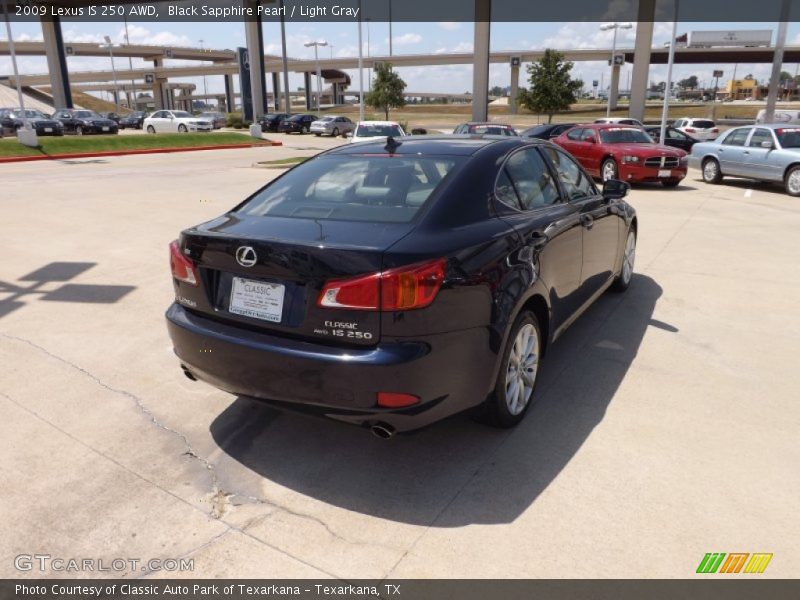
610, 151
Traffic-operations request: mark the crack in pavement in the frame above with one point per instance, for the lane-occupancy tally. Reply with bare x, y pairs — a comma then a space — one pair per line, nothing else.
219, 499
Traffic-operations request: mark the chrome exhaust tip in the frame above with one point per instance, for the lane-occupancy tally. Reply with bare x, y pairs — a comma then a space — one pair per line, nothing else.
382, 430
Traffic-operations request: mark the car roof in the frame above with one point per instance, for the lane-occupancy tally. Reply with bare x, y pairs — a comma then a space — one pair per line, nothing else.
379, 123
444, 145
487, 123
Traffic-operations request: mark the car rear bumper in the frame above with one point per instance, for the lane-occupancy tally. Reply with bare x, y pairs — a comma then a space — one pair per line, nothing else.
449, 372
642, 174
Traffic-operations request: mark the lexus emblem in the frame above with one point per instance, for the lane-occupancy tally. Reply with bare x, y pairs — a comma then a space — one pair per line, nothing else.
246, 256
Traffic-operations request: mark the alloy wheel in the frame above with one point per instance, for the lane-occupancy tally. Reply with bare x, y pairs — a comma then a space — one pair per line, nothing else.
628, 258
710, 170
793, 182
522, 368
609, 170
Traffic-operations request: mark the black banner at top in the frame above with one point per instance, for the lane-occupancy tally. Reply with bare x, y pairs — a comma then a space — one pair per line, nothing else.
731, 11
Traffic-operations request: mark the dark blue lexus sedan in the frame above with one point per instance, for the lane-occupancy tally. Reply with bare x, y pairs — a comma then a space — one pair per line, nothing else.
391, 284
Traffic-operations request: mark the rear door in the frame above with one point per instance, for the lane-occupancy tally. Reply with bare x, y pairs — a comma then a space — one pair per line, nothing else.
731, 152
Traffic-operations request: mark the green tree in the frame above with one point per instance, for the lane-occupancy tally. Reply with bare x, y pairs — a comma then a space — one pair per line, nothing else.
552, 89
689, 83
387, 90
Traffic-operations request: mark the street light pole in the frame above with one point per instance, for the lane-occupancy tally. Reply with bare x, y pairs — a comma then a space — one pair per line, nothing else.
287, 100
360, 69
665, 109
26, 135
606, 27
316, 60
205, 88
130, 65
110, 47
390, 27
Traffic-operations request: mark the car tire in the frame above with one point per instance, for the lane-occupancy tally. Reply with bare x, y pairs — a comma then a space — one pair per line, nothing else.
514, 391
182, 129
792, 181
317, 134
609, 170
79, 130
335, 132
671, 183
623, 280
303, 130
151, 129
711, 171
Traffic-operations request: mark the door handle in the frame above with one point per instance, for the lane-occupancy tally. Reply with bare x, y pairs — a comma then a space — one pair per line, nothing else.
719, 150
587, 221
746, 151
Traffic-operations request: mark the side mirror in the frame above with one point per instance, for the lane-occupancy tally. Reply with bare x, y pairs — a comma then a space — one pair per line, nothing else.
590, 139
766, 144
614, 189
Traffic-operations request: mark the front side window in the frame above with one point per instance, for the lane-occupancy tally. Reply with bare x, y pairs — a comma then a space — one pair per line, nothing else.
354, 188
531, 179
737, 137
574, 181
760, 135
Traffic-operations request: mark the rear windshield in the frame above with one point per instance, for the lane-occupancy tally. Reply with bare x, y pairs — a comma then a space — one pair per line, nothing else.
379, 131
624, 135
788, 138
491, 130
701, 124
379, 189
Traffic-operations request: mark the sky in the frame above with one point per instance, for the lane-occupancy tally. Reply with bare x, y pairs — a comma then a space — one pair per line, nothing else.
408, 38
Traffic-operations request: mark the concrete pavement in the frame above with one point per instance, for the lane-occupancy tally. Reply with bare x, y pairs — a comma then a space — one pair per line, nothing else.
667, 422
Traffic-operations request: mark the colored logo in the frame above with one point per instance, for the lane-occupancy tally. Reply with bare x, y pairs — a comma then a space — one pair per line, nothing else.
736, 562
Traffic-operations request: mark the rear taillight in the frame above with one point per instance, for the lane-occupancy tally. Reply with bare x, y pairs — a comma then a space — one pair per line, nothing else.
404, 288
182, 268
714, 130
690, 130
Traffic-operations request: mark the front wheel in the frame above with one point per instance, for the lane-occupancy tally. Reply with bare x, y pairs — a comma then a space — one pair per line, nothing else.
182, 129
151, 129
514, 391
623, 280
79, 130
335, 132
792, 181
304, 130
711, 171
609, 169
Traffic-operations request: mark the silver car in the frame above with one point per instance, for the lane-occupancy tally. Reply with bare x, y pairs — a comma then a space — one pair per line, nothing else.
332, 125
761, 152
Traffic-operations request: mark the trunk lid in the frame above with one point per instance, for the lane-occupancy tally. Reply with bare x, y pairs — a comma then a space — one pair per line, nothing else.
293, 257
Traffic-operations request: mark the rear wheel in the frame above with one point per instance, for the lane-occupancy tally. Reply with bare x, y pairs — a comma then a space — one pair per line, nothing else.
623, 280
609, 169
514, 391
711, 171
792, 181
151, 129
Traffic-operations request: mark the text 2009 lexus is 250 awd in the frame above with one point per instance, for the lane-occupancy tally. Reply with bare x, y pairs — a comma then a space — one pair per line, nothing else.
391, 284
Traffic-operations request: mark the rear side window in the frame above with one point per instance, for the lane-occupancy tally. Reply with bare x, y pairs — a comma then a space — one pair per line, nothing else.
378, 189
531, 179
737, 137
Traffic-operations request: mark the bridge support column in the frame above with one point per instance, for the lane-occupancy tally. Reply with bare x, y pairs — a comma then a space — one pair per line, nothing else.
307, 84
641, 58
480, 68
613, 90
56, 63
230, 102
255, 51
512, 95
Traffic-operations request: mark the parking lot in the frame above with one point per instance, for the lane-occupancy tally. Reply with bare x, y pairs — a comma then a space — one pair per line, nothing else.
666, 427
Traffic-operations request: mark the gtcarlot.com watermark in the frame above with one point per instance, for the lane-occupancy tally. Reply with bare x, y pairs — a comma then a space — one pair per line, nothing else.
47, 562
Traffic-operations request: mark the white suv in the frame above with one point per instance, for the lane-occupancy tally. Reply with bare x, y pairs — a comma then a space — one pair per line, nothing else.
620, 121
699, 129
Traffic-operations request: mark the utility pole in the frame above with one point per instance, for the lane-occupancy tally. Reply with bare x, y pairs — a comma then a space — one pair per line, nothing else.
205, 88
316, 60
287, 100
360, 69
130, 66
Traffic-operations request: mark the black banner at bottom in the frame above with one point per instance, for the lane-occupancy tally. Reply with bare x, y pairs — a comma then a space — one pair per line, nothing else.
405, 589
